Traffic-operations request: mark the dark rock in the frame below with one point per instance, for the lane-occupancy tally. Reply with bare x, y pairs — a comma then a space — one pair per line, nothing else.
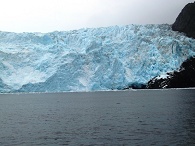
156, 83
185, 22
136, 86
183, 78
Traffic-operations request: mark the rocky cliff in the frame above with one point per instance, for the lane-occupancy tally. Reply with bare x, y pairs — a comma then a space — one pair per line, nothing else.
183, 78
185, 22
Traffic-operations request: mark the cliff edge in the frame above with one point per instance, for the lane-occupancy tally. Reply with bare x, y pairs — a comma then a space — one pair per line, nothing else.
185, 22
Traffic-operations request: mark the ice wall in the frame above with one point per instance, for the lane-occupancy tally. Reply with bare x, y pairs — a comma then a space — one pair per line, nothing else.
90, 59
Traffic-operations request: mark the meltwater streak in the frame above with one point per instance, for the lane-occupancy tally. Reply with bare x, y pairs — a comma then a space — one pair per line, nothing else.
142, 117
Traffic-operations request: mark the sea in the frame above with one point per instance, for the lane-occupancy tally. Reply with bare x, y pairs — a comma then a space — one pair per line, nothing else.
111, 118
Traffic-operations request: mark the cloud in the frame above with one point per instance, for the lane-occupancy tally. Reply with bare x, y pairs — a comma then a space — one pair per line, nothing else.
139, 11
51, 15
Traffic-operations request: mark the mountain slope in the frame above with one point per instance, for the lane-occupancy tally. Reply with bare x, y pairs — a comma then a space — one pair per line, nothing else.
185, 22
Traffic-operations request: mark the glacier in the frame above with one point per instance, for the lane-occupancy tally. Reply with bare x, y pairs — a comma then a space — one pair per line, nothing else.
90, 59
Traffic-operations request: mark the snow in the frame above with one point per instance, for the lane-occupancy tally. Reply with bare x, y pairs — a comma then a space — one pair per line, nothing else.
163, 76
90, 59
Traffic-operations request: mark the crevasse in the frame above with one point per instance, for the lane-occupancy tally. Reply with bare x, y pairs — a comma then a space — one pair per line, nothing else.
90, 59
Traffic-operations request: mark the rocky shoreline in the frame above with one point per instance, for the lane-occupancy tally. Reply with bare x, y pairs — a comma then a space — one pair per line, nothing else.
183, 78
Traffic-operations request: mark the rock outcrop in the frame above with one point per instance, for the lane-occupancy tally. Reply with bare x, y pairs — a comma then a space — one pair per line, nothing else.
183, 78
185, 22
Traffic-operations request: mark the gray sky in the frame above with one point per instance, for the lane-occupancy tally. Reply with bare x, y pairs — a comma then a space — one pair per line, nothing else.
61, 15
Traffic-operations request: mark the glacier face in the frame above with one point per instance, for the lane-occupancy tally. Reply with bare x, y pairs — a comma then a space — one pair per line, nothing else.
90, 59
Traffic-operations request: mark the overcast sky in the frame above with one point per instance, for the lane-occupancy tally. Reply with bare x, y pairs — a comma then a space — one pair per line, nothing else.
62, 15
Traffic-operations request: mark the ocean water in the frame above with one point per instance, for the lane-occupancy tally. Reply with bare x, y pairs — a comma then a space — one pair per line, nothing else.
135, 118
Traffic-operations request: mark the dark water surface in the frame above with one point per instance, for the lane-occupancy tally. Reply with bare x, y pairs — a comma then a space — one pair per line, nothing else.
143, 117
